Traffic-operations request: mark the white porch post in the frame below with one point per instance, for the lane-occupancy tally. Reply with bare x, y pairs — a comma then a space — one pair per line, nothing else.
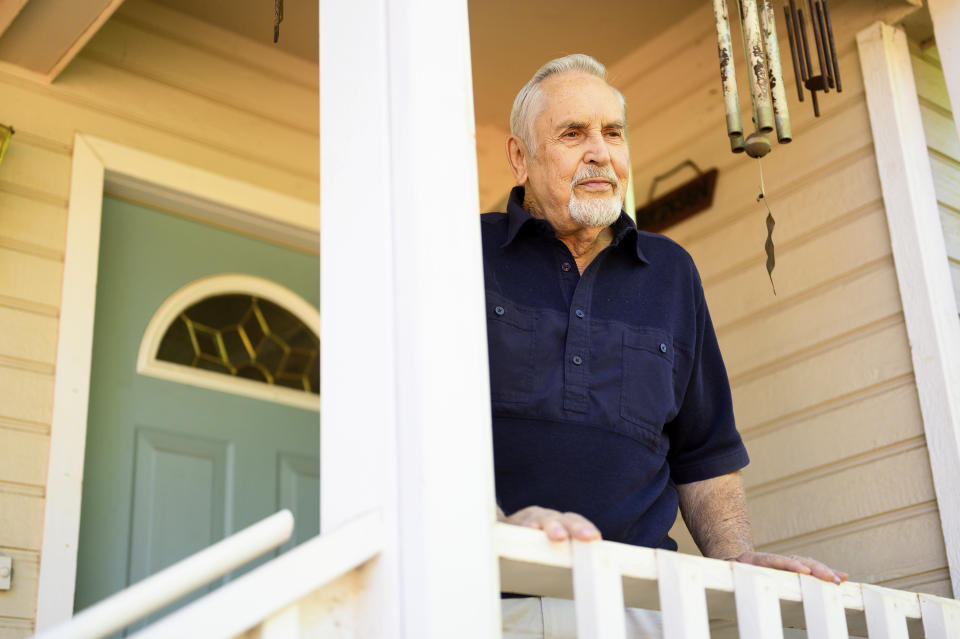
406, 423
945, 15
920, 256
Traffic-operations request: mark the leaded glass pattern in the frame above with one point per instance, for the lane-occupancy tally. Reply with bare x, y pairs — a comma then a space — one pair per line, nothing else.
245, 336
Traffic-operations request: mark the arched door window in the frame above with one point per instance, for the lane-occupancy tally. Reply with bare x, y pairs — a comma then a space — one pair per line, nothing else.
238, 334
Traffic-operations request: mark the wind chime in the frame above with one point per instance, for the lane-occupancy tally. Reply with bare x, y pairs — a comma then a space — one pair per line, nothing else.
829, 77
765, 75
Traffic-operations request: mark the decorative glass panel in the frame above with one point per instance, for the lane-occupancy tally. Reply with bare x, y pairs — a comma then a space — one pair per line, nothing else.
245, 336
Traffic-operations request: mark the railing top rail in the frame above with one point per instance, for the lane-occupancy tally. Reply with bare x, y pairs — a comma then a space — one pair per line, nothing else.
245, 602
532, 564
171, 583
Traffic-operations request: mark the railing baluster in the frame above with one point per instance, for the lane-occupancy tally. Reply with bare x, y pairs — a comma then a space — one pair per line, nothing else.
941, 617
822, 609
758, 605
885, 617
598, 593
683, 600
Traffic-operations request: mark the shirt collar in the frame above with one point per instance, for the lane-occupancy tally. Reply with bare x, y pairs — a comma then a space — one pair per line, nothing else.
518, 217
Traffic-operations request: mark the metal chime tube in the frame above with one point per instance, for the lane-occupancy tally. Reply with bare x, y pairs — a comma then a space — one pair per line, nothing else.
728, 76
818, 39
756, 66
778, 94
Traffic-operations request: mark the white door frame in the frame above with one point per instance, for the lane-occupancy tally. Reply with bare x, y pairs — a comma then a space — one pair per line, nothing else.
98, 165
920, 257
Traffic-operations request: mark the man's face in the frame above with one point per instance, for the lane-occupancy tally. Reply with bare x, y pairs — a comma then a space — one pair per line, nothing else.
578, 173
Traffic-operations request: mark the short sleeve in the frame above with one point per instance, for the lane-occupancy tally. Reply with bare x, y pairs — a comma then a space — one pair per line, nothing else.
704, 441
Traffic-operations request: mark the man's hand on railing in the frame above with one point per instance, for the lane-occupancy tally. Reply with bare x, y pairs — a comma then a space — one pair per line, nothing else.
715, 512
558, 526
793, 563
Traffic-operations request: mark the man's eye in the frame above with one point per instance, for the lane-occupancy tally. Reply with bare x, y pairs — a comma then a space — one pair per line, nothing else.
615, 133
571, 134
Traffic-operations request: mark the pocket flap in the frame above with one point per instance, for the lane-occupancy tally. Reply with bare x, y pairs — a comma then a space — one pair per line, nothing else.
503, 310
652, 340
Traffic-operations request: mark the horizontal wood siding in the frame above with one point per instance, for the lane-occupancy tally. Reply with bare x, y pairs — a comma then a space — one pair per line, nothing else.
155, 80
944, 147
821, 372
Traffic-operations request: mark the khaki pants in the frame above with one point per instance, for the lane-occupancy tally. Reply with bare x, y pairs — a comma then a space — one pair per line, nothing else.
547, 618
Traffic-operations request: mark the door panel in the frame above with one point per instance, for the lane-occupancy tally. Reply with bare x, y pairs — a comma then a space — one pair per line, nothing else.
299, 490
181, 485
171, 468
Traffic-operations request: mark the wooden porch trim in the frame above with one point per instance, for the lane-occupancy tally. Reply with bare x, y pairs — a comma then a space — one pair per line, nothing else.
405, 395
920, 256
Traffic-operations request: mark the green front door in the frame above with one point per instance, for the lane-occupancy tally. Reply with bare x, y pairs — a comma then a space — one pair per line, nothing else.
171, 468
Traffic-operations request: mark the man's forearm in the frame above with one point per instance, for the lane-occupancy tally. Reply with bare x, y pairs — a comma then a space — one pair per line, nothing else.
715, 511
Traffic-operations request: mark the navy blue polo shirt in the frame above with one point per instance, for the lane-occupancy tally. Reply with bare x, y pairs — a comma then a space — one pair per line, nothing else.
608, 388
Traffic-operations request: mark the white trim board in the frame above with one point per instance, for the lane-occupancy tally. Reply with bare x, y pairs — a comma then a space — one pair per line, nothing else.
190, 294
98, 165
920, 256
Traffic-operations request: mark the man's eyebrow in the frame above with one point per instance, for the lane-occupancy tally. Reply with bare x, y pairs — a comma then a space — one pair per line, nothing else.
577, 124
571, 124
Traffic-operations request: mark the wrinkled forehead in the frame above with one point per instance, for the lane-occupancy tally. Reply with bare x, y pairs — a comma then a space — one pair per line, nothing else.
580, 97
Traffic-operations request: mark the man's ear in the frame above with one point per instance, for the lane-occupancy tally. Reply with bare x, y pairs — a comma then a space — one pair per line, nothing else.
518, 158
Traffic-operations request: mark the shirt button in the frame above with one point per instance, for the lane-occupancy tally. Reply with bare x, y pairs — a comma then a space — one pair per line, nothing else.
499, 310
579, 313
565, 267
577, 360
663, 348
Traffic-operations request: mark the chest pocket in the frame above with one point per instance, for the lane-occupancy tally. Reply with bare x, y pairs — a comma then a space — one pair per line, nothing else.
647, 389
511, 340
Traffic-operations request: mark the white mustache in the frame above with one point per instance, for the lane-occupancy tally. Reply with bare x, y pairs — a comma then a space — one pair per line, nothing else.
590, 172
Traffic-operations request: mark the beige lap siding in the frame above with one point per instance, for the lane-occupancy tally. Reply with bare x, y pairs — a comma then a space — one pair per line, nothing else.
944, 147
151, 79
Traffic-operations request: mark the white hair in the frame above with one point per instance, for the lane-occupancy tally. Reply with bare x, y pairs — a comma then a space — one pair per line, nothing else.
528, 104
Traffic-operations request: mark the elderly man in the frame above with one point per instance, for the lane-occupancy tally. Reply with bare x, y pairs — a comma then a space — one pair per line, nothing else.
611, 404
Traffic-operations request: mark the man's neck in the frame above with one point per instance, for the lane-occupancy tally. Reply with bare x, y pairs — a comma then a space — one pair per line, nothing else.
583, 242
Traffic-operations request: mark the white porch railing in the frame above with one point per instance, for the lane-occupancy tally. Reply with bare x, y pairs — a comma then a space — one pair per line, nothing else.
170, 584
692, 592
318, 589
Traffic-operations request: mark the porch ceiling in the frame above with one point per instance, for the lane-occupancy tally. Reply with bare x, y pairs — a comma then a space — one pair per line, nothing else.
509, 39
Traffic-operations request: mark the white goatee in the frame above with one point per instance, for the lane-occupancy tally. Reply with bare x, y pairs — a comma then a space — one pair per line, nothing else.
595, 211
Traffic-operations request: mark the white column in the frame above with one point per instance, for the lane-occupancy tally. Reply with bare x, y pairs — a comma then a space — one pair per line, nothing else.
945, 15
920, 256
450, 577
358, 380
406, 420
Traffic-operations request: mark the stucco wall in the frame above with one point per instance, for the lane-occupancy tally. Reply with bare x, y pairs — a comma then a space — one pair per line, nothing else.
158, 81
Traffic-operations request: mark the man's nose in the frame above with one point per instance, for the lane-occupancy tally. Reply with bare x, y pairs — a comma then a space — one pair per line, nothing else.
596, 151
